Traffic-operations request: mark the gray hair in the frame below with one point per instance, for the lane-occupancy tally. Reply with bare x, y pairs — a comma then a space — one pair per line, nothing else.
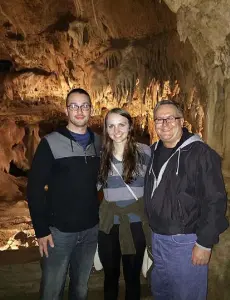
169, 102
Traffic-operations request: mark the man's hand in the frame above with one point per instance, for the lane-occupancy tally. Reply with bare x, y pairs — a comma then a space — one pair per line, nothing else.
43, 244
200, 256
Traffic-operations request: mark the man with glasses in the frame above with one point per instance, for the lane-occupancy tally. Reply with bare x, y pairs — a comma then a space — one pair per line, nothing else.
185, 203
65, 214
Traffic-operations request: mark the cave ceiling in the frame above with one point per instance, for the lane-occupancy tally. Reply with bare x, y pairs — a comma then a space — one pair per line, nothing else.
49, 47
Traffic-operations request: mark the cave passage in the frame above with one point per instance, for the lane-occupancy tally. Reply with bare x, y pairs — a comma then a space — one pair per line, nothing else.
17, 172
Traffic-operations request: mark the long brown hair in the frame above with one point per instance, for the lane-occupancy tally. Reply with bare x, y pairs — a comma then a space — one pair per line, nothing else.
131, 155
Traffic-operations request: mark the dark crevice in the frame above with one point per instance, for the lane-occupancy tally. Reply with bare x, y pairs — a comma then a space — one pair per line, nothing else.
5, 65
7, 25
62, 24
70, 66
105, 28
85, 36
15, 36
119, 43
15, 171
36, 71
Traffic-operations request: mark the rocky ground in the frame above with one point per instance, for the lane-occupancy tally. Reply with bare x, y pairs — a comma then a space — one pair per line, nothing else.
20, 275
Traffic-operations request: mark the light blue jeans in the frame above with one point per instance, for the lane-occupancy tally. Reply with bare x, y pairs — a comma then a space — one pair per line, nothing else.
174, 277
73, 252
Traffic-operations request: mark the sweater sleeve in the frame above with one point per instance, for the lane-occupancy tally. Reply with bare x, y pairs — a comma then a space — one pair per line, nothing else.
212, 220
36, 195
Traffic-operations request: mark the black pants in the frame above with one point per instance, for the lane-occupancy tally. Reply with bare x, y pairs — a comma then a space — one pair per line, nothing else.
110, 256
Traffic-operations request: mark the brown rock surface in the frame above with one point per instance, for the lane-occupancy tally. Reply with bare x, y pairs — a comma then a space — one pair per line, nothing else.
125, 53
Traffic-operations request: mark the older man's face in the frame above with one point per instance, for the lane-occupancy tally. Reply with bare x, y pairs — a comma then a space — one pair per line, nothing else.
168, 125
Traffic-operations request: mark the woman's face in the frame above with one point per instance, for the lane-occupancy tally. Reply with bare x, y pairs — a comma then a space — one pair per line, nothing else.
117, 127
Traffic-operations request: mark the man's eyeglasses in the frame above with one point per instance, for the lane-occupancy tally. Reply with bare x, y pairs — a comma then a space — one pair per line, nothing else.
75, 107
168, 120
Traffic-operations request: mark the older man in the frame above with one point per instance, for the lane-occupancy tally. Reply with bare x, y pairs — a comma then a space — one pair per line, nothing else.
185, 203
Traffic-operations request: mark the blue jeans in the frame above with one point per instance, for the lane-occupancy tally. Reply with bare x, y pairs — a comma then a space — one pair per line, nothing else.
74, 252
174, 277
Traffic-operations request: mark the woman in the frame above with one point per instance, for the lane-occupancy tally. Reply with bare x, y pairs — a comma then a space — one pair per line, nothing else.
121, 235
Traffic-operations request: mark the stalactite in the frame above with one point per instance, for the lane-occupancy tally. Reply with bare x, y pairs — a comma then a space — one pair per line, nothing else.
111, 58
78, 7
76, 31
94, 12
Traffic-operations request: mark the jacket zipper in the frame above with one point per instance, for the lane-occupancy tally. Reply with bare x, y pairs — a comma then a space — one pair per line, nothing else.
85, 156
181, 215
84, 151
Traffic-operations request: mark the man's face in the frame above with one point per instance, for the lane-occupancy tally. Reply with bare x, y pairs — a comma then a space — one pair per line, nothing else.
78, 110
168, 125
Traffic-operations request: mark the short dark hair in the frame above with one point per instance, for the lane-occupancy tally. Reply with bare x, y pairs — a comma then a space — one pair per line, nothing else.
169, 102
78, 91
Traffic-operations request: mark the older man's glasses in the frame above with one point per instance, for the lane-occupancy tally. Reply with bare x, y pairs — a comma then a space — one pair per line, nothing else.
168, 120
75, 107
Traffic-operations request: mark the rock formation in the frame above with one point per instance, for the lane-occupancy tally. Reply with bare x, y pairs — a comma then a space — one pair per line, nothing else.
125, 53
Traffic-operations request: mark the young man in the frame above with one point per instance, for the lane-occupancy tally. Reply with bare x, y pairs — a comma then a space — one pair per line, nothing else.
185, 203
65, 217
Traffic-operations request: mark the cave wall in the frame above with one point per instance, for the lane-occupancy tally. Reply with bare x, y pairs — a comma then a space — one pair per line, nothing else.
206, 25
126, 53
123, 53
108, 47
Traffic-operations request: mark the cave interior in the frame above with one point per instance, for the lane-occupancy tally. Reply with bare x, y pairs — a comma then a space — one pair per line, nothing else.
128, 54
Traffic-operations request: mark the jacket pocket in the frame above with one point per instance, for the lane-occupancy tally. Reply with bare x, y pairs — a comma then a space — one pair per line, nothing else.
188, 208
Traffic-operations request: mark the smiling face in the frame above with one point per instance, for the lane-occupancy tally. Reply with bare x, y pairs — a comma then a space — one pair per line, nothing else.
169, 131
78, 116
117, 127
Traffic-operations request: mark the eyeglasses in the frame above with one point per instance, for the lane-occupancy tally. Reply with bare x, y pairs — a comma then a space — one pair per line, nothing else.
168, 120
75, 107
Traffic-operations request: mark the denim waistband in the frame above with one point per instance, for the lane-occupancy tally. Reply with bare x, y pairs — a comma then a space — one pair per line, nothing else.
169, 237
